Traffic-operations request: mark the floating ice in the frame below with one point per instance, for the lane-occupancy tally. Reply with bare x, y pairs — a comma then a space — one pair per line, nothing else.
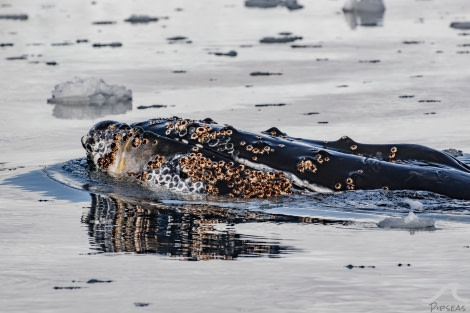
411, 221
364, 6
89, 91
22, 17
141, 19
460, 25
265, 4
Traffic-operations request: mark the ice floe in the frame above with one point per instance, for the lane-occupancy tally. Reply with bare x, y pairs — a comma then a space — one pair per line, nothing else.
89, 91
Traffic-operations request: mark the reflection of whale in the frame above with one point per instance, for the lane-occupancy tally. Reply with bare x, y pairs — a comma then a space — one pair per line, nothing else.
205, 157
364, 12
185, 231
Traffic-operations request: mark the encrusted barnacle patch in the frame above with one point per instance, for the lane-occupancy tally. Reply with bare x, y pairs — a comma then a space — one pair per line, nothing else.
306, 165
234, 179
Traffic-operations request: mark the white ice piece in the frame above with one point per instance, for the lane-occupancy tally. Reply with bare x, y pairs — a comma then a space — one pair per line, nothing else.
411, 221
89, 91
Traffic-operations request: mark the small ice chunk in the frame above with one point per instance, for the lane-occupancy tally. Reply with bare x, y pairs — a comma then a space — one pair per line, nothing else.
22, 17
411, 221
364, 6
141, 19
263, 3
89, 90
460, 25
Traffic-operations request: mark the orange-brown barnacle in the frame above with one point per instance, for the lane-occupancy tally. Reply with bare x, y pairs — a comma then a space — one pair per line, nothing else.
117, 136
350, 187
230, 164
353, 147
231, 195
273, 133
254, 158
168, 124
242, 143
393, 150
229, 132
281, 145
136, 142
221, 163
249, 148
385, 188
241, 167
349, 181
155, 142
360, 171
338, 186
199, 155
326, 159
258, 137
145, 141
267, 148
391, 155
195, 149
144, 176
255, 151
112, 126
167, 132
194, 136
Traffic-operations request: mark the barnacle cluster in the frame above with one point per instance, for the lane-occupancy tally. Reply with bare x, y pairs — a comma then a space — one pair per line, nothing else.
349, 184
306, 165
259, 148
200, 133
156, 163
234, 179
311, 165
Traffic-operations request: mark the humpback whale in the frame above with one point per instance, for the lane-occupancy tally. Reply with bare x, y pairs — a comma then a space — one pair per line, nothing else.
202, 156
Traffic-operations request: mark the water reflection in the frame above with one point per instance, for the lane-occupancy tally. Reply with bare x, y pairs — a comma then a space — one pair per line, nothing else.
364, 13
189, 232
81, 111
